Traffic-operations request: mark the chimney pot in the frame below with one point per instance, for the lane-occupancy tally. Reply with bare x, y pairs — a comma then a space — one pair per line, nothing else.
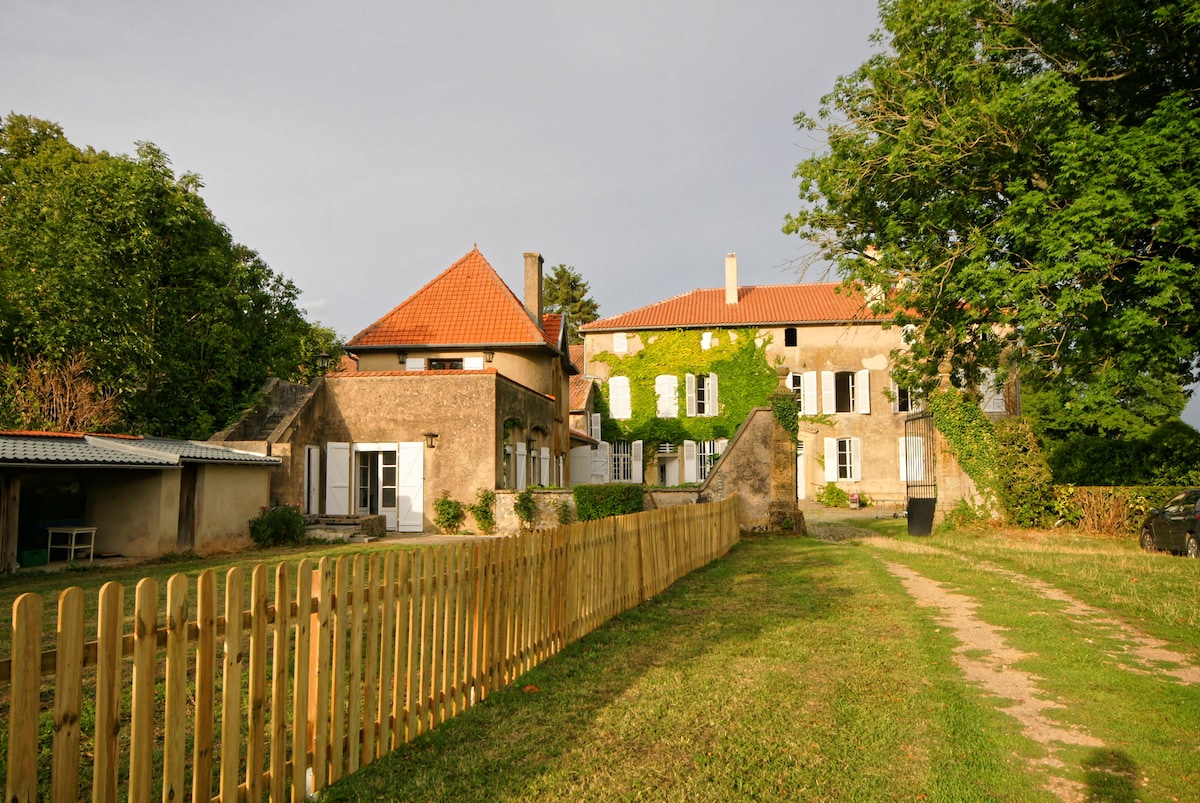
731, 279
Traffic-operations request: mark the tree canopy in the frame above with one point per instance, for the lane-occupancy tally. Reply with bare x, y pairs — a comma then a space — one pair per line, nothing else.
116, 275
1022, 179
564, 291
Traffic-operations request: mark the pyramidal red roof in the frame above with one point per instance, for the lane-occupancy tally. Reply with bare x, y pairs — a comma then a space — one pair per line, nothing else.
468, 304
756, 306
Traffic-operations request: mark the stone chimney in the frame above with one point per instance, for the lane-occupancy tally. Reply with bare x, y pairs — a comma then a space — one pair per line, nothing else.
731, 286
533, 286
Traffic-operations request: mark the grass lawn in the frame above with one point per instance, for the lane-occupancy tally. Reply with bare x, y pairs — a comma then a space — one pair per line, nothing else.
806, 669
802, 669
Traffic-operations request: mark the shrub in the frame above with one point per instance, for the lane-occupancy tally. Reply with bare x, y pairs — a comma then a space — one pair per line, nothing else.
525, 506
1023, 480
564, 511
277, 526
600, 501
448, 514
833, 496
484, 511
963, 516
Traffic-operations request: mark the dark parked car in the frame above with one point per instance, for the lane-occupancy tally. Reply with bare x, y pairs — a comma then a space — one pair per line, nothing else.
1175, 526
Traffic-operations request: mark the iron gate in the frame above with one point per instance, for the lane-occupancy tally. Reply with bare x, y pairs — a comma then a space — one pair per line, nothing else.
920, 472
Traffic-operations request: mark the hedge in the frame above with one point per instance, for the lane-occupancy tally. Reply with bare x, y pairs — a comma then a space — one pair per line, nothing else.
600, 501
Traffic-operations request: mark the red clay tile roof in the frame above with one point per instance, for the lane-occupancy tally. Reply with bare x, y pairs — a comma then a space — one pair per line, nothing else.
757, 306
468, 304
580, 388
576, 354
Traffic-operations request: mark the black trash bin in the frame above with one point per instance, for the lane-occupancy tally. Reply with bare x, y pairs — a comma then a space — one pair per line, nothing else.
920, 516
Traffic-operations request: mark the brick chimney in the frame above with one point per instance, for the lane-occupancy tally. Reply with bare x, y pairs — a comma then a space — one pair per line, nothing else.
533, 286
731, 286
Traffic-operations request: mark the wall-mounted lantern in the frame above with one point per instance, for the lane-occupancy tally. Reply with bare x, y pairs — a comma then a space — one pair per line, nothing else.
431, 440
488, 356
403, 358
323, 359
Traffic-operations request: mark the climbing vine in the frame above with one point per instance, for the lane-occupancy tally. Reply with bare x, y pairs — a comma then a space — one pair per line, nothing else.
745, 380
971, 437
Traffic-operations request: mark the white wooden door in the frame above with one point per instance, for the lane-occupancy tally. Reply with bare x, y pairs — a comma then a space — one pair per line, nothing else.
337, 478
410, 487
312, 479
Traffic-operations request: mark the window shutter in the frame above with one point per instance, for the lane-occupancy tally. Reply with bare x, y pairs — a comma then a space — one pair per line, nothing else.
521, 463
620, 343
809, 382
618, 397
828, 393
896, 400
594, 426
831, 473
916, 450
706, 341
690, 390
903, 459
689, 462
711, 398
862, 391
545, 461
667, 388
337, 478
856, 459
414, 364
636, 457
472, 363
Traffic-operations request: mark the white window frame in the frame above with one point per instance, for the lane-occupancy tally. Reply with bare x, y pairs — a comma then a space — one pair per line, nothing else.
843, 459
804, 385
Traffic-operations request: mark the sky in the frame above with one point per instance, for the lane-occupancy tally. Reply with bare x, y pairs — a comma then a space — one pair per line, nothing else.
363, 147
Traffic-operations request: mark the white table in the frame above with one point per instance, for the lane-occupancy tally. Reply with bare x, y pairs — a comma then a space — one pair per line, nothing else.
73, 539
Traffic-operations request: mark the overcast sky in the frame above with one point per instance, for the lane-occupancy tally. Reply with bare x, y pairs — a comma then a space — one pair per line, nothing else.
363, 147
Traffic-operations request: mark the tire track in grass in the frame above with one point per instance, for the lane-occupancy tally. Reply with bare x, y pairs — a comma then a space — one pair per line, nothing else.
986, 659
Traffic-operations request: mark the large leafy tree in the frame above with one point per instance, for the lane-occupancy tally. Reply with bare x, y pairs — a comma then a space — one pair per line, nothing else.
564, 291
116, 263
1022, 178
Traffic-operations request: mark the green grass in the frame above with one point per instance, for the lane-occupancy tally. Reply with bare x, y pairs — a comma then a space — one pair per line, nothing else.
792, 669
799, 669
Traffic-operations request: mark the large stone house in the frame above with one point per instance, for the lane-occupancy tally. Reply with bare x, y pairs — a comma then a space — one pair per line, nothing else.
821, 341
461, 387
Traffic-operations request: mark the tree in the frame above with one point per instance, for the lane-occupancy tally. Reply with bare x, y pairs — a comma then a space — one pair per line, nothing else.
564, 291
115, 264
1020, 178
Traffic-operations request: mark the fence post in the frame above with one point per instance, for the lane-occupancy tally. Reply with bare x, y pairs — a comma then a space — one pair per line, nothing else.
68, 699
21, 785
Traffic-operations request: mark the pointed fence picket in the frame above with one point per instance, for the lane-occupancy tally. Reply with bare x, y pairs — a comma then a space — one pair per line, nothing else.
321, 671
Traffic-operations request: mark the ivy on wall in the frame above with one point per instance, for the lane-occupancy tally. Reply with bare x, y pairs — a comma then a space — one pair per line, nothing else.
971, 437
738, 357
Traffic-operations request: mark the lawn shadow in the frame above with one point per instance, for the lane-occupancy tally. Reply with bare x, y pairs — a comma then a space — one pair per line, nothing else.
1110, 777
497, 750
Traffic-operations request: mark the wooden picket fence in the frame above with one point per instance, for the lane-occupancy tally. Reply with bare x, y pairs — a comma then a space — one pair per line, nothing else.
326, 669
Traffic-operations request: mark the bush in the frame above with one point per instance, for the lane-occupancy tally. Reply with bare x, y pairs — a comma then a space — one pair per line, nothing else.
833, 496
448, 514
526, 507
564, 511
484, 511
277, 526
601, 501
1023, 480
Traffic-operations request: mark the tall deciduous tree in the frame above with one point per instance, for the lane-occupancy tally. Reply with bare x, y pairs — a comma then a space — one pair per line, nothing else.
1024, 179
564, 291
116, 262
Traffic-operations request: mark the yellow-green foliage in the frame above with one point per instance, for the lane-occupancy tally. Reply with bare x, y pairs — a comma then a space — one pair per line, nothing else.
745, 380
